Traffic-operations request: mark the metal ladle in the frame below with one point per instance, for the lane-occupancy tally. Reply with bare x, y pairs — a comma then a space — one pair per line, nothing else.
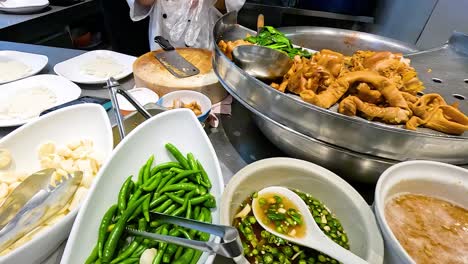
314, 237
265, 64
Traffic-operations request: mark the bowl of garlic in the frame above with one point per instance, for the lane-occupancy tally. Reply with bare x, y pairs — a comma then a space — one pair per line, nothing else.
76, 138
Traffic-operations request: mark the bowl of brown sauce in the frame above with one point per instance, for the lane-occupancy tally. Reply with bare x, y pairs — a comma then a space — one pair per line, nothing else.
337, 208
421, 209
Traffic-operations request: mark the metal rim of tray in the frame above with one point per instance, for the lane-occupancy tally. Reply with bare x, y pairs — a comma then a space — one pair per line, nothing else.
431, 142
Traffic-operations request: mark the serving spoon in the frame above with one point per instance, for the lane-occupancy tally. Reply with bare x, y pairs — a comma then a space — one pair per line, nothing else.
314, 237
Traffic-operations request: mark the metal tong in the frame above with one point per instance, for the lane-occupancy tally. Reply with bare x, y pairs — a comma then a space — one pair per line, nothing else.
230, 245
44, 203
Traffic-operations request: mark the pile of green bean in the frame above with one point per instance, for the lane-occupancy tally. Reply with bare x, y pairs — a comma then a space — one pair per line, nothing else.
260, 246
175, 188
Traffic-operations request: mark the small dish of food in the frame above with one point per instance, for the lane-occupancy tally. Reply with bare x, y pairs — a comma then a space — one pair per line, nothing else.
422, 211
69, 139
199, 103
15, 65
340, 212
96, 67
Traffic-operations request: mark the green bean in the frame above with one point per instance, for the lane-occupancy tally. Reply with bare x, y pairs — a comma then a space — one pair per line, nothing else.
186, 257
206, 180
124, 194
136, 213
163, 206
196, 257
140, 249
181, 176
177, 155
145, 208
193, 165
170, 209
105, 222
188, 213
182, 209
166, 165
171, 248
136, 195
130, 261
128, 251
163, 183
140, 175
210, 202
176, 170
185, 233
146, 172
175, 198
180, 186
119, 228
178, 252
158, 200
152, 183
201, 199
161, 248
196, 212
93, 256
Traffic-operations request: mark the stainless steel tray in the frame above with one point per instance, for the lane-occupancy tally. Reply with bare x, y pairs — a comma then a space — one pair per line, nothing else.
353, 133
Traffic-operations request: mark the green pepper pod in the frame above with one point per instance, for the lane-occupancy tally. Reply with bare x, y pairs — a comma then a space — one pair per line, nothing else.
177, 155
105, 222
93, 256
167, 165
124, 193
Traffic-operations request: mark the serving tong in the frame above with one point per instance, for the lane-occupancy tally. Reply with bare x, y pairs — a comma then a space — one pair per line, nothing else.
33, 202
230, 245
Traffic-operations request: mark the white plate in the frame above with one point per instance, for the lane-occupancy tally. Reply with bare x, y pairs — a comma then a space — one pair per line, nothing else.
71, 69
35, 62
64, 90
23, 6
179, 127
85, 121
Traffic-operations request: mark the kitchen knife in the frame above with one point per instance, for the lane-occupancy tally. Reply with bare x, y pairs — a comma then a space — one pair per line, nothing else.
174, 63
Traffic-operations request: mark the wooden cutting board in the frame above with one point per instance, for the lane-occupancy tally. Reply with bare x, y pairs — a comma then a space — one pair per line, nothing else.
150, 73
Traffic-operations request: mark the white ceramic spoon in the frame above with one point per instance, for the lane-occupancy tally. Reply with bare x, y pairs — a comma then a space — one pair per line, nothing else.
314, 237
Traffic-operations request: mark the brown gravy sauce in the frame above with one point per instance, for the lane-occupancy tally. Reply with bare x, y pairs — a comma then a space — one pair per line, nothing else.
431, 230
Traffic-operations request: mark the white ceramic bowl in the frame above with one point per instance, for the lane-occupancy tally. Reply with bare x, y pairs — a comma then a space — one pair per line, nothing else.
179, 127
86, 121
421, 177
188, 97
349, 207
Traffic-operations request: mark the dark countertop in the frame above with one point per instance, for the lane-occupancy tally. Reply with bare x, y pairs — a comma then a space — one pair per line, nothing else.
237, 141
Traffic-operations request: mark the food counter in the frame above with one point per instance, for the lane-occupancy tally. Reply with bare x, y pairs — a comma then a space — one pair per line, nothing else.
237, 140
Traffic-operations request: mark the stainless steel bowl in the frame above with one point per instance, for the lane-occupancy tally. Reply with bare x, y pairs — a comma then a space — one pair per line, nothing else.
352, 133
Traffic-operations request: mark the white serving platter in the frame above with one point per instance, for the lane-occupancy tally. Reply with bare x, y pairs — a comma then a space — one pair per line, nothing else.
35, 62
179, 127
71, 69
23, 6
63, 89
85, 121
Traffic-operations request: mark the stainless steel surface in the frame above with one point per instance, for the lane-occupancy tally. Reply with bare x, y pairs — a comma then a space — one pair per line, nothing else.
41, 207
23, 193
265, 64
230, 245
353, 133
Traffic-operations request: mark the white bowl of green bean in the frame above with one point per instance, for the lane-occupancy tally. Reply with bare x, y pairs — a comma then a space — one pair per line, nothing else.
348, 219
134, 156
